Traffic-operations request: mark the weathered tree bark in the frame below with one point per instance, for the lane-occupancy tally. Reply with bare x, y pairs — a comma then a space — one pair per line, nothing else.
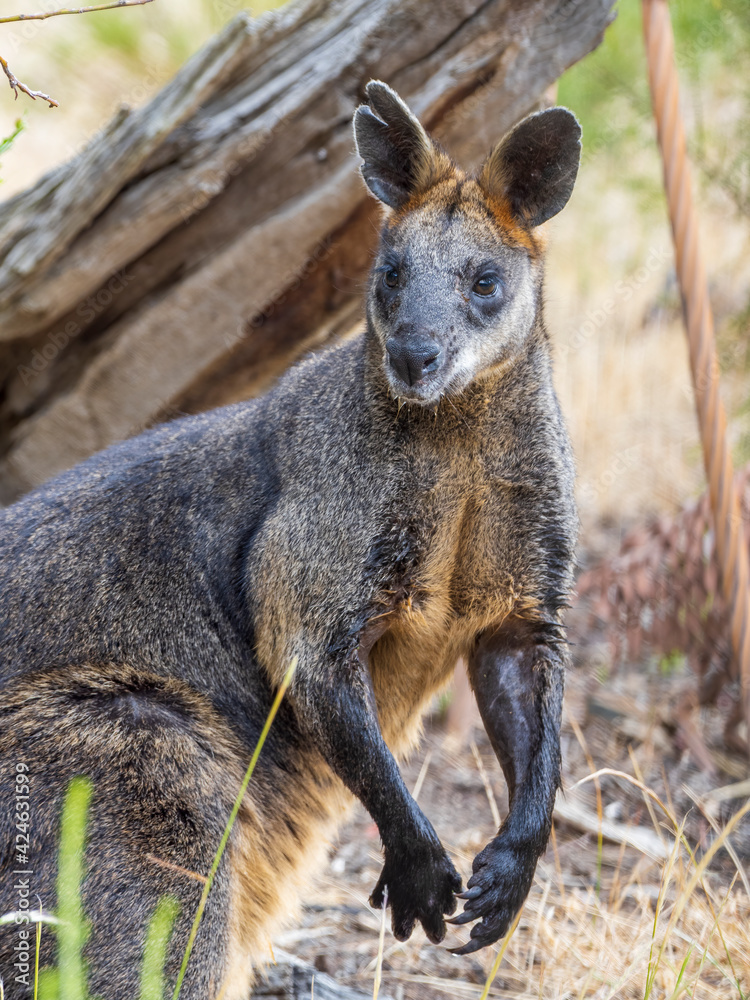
200, 244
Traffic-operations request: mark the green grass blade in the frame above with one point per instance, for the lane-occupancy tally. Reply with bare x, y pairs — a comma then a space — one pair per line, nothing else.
654, 959
72, 930
155, 951
496, 964
36, 955
683, 967
8, 140
696, 878
230, 823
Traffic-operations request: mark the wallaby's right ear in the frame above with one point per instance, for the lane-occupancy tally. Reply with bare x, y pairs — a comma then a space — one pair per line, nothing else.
400, 158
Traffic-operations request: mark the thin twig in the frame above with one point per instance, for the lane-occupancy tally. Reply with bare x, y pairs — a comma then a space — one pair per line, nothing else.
16, 84
487, 786
381, 946
43, 15
13, 80
177, 868
422, 774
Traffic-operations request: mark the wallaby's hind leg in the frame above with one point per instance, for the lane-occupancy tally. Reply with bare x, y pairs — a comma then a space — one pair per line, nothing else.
164, 773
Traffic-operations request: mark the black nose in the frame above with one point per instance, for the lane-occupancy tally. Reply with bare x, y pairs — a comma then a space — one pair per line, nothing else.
414, 357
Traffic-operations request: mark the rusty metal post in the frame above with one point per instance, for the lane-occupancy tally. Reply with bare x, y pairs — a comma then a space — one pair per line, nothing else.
730, 538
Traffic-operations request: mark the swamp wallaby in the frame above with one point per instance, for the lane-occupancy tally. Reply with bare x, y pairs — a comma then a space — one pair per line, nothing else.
393, 504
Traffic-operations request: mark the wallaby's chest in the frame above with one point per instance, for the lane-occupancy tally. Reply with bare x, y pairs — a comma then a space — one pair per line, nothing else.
461, 576
465, 566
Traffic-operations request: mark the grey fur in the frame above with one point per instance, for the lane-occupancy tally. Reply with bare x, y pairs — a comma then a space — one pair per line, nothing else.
152, 598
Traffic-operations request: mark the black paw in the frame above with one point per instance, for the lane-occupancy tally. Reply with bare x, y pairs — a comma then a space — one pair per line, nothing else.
422, 883
495, 892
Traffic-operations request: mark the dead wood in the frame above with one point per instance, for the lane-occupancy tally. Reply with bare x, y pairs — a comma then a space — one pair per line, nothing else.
201, 243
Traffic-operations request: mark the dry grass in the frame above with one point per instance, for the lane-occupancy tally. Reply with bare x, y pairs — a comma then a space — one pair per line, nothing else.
572, 943
654, 930
658, 931
662, 931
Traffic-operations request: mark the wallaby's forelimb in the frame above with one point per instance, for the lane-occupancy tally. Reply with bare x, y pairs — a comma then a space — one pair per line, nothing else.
341, 717
517, 676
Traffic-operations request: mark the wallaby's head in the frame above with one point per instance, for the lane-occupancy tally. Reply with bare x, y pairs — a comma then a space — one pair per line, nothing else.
455, 289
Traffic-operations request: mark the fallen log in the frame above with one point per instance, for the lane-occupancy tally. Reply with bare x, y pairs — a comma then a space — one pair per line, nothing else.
201, 243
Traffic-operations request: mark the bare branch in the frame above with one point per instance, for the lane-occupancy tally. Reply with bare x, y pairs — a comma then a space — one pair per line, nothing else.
14, 82
43, 15
16, 85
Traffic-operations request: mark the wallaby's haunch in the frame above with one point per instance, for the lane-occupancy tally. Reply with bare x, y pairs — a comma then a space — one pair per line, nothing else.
393, 504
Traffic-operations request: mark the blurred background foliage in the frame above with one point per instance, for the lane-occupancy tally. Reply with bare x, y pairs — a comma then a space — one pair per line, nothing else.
613, 306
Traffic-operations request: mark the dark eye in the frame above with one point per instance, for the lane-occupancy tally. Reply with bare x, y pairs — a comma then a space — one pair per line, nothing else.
390, 277
486, 285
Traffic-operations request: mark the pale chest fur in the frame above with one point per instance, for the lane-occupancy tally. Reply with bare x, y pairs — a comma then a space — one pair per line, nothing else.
459, 584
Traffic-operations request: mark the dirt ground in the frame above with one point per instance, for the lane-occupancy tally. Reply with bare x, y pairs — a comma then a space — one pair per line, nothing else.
574, 939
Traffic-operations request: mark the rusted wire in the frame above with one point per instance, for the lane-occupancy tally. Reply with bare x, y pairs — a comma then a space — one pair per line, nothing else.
730, 537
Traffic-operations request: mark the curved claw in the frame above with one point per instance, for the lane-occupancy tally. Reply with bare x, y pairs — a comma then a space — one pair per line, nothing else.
470, 947
462, 918
482, 935
472, 893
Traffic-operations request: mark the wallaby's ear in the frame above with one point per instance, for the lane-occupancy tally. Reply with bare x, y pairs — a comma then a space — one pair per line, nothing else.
534, 167
400, 158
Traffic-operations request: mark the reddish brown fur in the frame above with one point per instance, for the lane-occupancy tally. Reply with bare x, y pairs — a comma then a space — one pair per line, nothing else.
456, 189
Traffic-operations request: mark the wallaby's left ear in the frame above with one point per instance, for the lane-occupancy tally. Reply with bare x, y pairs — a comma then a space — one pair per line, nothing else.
534, 167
